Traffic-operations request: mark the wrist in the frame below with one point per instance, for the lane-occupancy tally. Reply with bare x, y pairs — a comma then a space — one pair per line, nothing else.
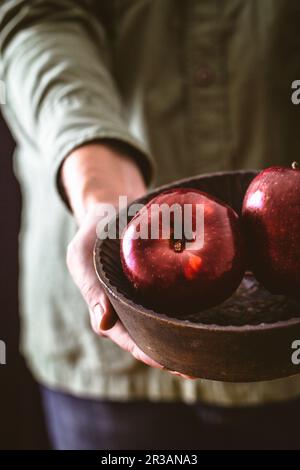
95, 174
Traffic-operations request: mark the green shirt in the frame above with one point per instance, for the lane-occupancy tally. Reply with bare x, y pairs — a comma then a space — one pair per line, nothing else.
198, 85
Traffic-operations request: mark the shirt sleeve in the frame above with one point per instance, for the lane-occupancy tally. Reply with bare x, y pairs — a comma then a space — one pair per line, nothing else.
55, 62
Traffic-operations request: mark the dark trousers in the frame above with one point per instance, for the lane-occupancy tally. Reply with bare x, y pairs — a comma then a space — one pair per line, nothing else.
80, 423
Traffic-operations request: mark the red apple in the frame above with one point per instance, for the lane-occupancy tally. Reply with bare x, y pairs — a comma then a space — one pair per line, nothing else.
184, 274
271, 213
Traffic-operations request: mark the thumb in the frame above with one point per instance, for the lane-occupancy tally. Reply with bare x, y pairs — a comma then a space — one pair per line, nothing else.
80, 264
103, 315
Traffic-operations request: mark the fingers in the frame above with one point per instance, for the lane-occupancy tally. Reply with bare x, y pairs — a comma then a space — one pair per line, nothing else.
80, 264
183, 376
105, 323
103, 318
119, 335
102, 315
109, 316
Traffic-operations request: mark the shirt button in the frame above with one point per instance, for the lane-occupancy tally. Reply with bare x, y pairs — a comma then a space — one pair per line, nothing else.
204, 76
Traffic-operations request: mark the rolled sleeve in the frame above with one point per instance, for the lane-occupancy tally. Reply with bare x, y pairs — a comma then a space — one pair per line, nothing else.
56, 64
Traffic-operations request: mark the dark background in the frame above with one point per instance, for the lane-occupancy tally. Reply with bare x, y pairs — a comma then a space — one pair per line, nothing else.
21, 419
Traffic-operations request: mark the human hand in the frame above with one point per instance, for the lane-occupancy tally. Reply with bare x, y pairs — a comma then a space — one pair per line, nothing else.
93, 176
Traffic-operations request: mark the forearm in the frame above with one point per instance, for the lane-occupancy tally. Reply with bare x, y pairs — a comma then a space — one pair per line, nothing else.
97, 173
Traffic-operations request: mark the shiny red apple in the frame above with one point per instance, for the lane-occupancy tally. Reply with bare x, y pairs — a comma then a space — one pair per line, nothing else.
187, 272
271, 214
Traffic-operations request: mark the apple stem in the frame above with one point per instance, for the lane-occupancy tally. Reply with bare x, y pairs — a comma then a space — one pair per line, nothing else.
295, 165
178, 246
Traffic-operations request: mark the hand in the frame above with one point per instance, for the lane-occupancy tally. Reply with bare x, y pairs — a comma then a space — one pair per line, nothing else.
92, 176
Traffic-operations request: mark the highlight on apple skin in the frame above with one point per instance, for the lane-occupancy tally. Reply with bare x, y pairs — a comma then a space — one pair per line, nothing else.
178, 276
271, 216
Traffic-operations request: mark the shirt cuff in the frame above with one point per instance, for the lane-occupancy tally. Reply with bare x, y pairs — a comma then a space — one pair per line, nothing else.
122, 141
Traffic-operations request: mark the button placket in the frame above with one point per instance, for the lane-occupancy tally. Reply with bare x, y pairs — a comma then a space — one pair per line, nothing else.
205, 92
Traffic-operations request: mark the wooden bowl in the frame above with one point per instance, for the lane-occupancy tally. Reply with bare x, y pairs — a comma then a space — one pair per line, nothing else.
230, 353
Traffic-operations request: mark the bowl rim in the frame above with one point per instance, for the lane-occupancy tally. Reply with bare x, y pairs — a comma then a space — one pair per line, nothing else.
147, 312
